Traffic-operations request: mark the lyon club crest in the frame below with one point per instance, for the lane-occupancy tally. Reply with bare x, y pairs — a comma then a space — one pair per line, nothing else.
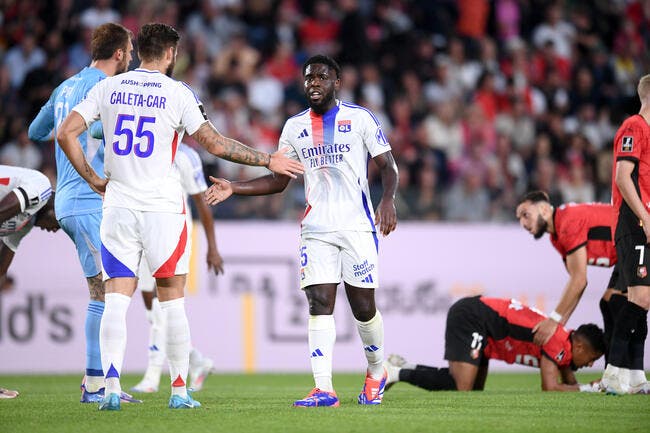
344, 125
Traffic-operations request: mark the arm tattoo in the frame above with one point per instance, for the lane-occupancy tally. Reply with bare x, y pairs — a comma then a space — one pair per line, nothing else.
228, 148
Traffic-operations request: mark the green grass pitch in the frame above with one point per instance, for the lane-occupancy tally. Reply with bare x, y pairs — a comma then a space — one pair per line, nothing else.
262, 403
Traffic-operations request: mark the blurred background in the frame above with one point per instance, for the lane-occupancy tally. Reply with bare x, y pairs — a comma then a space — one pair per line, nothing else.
481, 100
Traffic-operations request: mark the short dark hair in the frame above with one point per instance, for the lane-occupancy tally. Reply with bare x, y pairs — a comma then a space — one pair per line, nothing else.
154, 39
593, 335
323, 60
107, 39
535, 197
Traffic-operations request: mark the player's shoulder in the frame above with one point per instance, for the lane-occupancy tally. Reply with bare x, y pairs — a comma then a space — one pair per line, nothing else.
298, 117
358, 111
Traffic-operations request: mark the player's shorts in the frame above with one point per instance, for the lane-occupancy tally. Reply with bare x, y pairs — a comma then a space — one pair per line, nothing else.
616, 281
467, 331
84, 232
146, 281
348, 255
126, 234
633, 259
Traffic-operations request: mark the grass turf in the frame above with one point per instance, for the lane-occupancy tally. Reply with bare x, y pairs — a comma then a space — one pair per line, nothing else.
262, 403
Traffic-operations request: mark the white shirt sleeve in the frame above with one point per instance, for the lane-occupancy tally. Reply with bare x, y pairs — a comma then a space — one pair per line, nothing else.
285, 142
373, 135
192, 112
13, 240
88, 108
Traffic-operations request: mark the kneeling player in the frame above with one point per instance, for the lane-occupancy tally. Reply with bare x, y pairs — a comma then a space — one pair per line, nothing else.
481, 328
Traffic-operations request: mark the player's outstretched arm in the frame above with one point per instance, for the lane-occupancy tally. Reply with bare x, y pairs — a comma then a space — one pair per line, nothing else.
576, 264
68, 138
214, 259
386, 214
233, 150
221, 189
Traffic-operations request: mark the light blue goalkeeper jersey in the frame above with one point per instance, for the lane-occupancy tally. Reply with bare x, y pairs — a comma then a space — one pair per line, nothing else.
73, 195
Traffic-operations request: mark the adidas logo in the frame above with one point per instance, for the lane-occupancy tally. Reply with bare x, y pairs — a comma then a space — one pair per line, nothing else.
154, 348
316, 353
303, 134
368, 279
371, 348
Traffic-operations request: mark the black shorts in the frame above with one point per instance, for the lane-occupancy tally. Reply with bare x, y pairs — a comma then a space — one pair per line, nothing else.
634, 259
616, 281
468, 326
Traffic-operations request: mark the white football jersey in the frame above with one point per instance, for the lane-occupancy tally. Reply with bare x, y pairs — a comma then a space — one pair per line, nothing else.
144, 115
33, 190
334, 149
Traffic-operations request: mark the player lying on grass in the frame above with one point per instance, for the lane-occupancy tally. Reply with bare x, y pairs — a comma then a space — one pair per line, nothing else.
481, 328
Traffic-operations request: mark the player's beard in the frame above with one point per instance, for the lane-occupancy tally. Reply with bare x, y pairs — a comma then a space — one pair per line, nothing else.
542, 227
170, 69
321, 106
123, 66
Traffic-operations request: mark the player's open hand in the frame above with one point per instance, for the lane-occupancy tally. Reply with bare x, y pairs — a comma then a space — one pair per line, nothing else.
280, 163
386, 217
543, 331
215, 261
219, 191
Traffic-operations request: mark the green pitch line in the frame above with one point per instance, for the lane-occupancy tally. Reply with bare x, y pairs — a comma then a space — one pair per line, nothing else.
262, 403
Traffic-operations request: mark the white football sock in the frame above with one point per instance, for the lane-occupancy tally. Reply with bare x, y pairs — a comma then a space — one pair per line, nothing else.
157, 335
322, 336
178, 344
372, 337
112, 339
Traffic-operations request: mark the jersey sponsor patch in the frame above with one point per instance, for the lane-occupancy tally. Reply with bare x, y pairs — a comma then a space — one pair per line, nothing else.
344, 125
641, 272
627, 143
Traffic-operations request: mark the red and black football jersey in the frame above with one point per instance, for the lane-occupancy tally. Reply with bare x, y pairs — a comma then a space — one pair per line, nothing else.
632, 143
586, 224
511, 338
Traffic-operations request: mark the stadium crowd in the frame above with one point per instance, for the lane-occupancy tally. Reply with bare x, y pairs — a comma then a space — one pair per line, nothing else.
481, 100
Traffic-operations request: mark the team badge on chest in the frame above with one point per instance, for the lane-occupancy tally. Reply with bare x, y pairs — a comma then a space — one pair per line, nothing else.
344, 125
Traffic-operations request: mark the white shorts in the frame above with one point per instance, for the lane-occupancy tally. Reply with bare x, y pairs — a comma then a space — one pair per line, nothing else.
348, 255
126, 234
146, 281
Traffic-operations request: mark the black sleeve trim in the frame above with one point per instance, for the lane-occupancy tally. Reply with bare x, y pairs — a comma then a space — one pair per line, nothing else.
627, 158
600, 233
25, 197
574, 249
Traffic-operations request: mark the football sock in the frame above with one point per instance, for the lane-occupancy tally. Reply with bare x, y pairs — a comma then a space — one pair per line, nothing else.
322, 336
196, 357
112, 341
372, 337
178, 344
430, 378
638, 337
94, 373
157, 335
624, 326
